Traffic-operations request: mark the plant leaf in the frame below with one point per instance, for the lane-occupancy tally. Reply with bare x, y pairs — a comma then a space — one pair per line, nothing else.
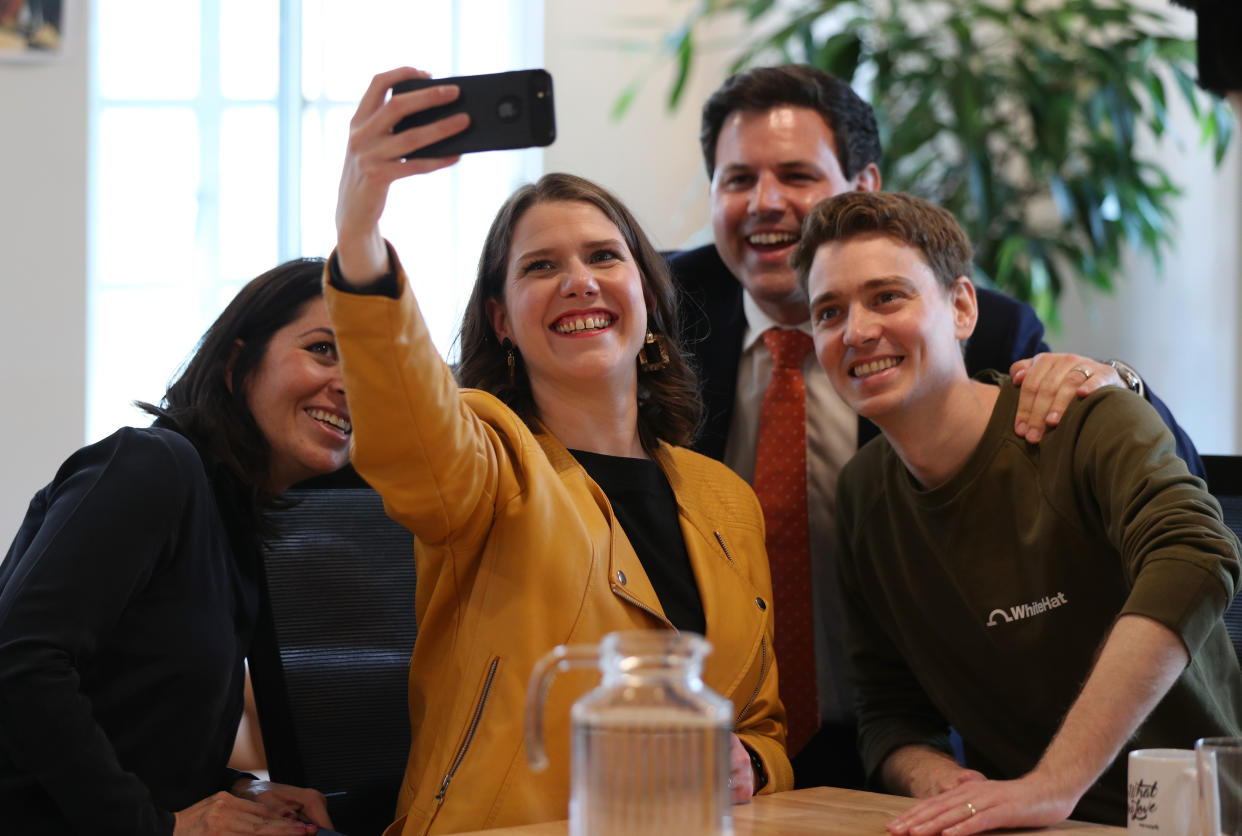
623, 102
685, 57
1224, 129
839, 55
1023, 118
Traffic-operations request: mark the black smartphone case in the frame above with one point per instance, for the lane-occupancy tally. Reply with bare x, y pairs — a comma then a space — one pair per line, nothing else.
507, 110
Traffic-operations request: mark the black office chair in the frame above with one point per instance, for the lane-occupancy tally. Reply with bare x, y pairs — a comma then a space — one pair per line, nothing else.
331, 654
1224, 478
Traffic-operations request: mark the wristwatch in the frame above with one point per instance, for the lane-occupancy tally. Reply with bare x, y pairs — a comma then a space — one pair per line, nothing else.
1128, 376
756, 764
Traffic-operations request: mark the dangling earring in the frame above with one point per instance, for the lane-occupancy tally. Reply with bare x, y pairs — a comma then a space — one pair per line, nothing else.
654, 356
507, 345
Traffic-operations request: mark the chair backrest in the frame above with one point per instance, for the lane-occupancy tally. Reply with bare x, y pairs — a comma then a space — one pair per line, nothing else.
1224, 477
331, 655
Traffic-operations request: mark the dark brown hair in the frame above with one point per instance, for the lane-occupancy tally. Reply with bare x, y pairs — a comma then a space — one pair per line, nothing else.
668, 402
905, 218
200, 401
850, 119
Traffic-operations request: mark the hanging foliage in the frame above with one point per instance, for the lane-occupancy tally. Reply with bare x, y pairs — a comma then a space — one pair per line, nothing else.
1021, 118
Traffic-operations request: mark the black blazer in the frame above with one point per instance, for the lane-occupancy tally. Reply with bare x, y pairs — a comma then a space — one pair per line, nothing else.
712, 325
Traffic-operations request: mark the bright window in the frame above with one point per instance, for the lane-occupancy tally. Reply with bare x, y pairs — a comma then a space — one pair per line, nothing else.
219, 129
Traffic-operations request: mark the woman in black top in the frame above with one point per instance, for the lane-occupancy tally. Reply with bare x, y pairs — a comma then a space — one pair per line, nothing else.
128, 596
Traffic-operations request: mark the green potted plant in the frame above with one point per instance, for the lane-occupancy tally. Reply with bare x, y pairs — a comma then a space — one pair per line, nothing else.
1020, 117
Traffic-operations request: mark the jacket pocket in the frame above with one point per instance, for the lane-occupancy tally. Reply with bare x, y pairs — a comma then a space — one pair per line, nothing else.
476, 717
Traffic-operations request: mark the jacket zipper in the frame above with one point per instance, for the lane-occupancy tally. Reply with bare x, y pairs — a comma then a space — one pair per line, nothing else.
763, 669
643, 607
470, 730
720, 540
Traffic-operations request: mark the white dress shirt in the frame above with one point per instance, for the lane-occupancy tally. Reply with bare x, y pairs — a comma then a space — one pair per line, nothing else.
831, 440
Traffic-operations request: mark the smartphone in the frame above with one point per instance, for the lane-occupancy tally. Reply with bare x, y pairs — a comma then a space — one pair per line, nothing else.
507, 110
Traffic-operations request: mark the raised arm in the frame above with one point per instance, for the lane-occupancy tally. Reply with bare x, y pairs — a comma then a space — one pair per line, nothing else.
418, 440
374, 160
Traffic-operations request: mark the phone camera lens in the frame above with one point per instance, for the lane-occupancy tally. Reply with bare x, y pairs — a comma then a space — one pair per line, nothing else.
509, 109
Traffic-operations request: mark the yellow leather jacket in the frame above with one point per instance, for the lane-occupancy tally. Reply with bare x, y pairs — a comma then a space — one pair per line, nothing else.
518, 551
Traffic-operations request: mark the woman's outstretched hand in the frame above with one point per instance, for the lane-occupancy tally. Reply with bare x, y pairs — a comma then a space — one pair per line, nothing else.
375, 157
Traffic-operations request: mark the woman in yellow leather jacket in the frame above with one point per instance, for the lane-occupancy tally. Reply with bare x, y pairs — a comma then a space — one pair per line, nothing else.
549, 496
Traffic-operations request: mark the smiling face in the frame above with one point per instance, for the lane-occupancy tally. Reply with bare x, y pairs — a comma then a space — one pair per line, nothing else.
886, 331
573, 297
772, 167
297, 398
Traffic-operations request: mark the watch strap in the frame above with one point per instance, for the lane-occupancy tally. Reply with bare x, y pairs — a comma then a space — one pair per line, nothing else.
756, 764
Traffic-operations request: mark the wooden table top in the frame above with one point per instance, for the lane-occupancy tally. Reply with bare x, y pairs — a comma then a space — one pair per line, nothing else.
818, 810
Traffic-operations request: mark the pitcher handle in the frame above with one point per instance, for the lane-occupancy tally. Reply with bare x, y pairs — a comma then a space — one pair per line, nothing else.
557, 660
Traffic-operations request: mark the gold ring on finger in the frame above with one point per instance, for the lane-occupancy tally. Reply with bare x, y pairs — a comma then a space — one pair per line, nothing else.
970, 806
1086, 373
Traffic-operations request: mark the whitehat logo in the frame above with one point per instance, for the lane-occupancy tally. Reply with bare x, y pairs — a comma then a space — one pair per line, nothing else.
1020, 611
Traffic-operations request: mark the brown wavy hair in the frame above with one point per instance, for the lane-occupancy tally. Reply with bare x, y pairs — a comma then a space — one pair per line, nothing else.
669, 407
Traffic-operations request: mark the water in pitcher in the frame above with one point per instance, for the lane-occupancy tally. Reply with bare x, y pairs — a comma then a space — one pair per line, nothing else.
662, 773
650, 744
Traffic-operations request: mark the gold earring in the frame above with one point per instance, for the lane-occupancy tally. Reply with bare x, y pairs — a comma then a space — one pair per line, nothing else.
654, 356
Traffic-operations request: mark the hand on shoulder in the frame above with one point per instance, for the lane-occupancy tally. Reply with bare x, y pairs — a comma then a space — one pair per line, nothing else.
1049, 383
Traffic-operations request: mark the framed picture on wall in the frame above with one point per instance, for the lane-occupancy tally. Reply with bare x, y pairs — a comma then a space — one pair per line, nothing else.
32, 30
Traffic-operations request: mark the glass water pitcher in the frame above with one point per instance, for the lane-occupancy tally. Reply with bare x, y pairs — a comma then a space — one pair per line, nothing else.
650, 745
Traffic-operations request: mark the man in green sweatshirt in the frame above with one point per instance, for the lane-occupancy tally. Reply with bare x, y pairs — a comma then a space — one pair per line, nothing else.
1054, 603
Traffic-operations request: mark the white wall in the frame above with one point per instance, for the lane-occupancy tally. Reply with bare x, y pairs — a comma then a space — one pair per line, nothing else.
43, 146
650, 158
1181, 330
1180, 325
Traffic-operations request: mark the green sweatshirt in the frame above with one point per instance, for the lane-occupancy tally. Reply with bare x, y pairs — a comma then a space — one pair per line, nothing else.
981, 603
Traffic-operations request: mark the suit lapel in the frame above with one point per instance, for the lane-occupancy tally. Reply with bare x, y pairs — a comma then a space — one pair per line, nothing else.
712, 328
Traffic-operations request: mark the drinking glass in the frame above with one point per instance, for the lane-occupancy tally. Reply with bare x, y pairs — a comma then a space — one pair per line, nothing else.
1220, 785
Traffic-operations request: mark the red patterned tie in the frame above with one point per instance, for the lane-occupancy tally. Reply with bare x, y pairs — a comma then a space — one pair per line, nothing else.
780, 482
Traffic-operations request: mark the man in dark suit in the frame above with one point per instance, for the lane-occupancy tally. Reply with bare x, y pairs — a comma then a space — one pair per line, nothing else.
776, 141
